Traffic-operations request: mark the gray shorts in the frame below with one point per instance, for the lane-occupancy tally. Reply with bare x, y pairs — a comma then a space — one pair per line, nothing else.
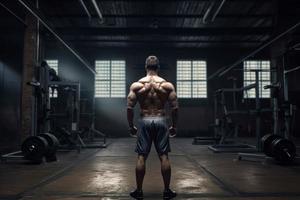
152, 129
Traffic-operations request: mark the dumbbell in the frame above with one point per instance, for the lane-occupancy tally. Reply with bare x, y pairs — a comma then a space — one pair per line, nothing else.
281, 149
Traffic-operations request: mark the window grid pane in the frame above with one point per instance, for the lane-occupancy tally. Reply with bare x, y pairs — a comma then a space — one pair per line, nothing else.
191, 79
118, 70
199, 70
199, 89
184, 70
264, 77
102, 89
103, 70
117, 89
54, 65
110, 78
184, 89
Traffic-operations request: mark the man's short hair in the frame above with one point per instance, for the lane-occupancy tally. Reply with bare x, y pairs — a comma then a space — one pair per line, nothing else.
152, 63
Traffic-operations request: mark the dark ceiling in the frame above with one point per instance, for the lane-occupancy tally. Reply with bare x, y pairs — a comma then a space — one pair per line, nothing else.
241, 23
176, 23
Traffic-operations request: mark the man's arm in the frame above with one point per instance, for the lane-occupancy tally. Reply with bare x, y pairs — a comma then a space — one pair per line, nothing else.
131, 102
172, 99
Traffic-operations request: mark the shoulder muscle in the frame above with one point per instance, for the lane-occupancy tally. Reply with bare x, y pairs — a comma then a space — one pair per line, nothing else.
136, 86
168, 86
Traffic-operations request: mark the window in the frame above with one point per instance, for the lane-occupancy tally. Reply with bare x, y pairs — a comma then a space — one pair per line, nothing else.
191, 79
110, 78
264, 77
53, 64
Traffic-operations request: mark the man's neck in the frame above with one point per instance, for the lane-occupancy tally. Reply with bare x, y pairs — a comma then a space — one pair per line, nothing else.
151, 73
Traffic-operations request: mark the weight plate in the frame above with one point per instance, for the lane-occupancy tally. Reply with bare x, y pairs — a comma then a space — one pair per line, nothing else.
34, 148
51, 139
284, 150
266, 142
52, 143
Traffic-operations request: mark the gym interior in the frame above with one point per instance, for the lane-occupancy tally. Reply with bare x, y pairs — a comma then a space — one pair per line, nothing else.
78, 79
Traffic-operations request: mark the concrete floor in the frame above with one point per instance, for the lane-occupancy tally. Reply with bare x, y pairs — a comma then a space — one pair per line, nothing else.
107, 174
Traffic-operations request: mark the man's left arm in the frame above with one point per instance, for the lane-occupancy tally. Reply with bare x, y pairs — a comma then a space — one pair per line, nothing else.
173, 102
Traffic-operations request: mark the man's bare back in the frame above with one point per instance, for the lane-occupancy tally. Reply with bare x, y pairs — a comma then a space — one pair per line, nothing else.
152, 92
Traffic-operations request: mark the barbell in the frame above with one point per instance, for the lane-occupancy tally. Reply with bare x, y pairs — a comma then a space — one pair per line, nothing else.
35, 148
281, 149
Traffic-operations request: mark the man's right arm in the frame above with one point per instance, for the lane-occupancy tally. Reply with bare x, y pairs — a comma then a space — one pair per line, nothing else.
131, 102
173, 102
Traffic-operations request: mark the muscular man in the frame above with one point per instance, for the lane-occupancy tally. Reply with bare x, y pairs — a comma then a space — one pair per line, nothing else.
152, 93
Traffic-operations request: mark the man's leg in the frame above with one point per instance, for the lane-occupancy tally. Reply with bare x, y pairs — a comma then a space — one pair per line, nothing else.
162, 146
165, 170
166, 174
140, 171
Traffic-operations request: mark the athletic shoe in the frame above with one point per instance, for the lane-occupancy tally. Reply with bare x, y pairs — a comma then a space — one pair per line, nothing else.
169, 194
137, 194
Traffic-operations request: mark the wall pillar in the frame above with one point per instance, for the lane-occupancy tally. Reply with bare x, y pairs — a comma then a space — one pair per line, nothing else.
29, 63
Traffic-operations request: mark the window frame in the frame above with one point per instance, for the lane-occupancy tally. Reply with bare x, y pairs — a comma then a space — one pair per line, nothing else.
110, 79
261, 81
192, 80
49, 61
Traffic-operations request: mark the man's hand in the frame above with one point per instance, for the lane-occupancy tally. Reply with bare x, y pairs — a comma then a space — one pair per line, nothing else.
133, 131
172, 131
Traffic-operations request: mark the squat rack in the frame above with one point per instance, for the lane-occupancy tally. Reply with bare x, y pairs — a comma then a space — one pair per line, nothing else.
222, 146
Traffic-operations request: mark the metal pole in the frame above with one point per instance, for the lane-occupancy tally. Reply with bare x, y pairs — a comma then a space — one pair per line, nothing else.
257, 108
34, 99
217, 120
11, 12
234, 94
224, 70
204, 19
46, 98
78, 105
286, 101
235, 106
291, 70
224, 118
85, 9
274, 91
37, 36
285, 81
217, 11
35, 14
275, 115
98, 11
